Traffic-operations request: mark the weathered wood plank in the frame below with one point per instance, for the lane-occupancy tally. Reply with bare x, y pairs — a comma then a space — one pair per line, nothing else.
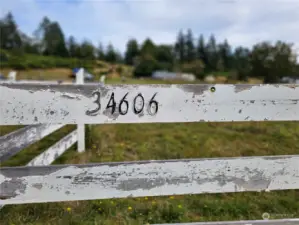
14, 142
20, 185
56, 150
97, 104
243, 222
80, 127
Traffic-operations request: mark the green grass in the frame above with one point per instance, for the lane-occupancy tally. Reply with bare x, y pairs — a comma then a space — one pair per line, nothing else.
27, 154
128, 142
8, 129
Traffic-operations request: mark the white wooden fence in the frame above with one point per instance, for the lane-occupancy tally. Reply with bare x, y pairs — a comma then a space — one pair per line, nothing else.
99, 104
14, 142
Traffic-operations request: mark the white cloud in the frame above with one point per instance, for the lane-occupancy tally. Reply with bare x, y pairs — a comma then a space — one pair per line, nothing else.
242, 22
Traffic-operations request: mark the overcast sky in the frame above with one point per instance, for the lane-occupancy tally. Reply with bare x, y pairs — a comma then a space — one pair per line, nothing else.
242, 22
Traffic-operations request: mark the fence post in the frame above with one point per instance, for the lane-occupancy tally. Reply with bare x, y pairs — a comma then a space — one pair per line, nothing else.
102, 79
80, 127
12, 76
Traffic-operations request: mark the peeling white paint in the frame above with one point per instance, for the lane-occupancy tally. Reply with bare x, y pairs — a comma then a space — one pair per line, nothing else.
14, 142
155, 178
243, 222
80, 127
56, 150
32, 103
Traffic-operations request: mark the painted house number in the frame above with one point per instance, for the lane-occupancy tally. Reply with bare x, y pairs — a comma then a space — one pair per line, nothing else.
124, 105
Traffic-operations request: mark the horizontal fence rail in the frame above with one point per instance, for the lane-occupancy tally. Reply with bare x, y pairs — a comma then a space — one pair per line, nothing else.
98, 104
20, 185
16, 141
245, 222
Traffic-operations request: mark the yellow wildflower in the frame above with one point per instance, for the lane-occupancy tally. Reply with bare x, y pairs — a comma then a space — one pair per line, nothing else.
180, 206
129, 208
171, 197
68, 209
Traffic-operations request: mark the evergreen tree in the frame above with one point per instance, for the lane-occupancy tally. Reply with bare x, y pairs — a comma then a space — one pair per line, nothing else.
10, 37
100, 52
180, 49
148, 47
225, 55
190, 49
72, 46
201, 52
212, 56
132, 52
111, 55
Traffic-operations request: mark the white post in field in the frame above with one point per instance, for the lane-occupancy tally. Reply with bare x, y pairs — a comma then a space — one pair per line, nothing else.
102, 79
12, 76
80, 127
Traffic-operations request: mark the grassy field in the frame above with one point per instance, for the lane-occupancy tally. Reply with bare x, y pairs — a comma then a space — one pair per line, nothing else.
123, 142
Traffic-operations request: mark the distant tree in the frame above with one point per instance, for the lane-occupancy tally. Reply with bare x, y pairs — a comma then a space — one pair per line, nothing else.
146, 66
100, 52
272, 62
190, 48
196, 67
9, 34
225, 55
51, 38
201, 52
40, 33
55, 42
87, 50
72, 47
241, 63
132, 51
28, 44
111, 55
148, 47
164, 57
212, 54
180, 48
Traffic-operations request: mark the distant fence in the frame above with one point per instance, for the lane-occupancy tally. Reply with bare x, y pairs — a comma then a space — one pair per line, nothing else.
103, 104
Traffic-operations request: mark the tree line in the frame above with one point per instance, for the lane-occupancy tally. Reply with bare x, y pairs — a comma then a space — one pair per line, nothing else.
188, 54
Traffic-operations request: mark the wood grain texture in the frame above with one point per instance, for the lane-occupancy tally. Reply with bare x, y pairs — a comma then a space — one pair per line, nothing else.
20, 185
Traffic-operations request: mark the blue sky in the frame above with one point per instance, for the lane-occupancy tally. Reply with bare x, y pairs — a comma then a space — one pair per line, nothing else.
242, 22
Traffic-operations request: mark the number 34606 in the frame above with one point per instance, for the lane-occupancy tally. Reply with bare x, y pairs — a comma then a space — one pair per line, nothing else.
138, 105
